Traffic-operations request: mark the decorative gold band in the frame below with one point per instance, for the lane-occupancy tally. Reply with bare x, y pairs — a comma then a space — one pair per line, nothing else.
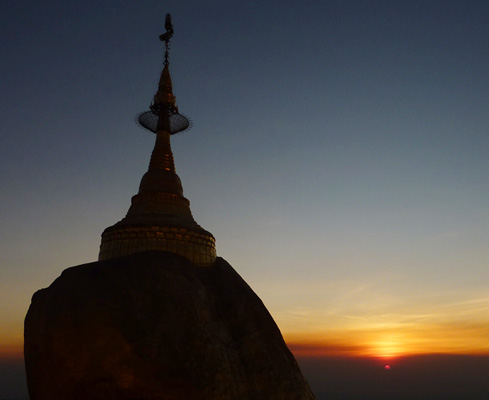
197, 247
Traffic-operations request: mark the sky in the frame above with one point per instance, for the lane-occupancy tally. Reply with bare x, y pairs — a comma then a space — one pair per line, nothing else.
338, 153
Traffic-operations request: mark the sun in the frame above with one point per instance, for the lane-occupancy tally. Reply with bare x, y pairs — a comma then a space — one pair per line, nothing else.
387, 348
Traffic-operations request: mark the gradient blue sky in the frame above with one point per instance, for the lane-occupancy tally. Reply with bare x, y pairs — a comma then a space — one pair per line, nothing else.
339, 155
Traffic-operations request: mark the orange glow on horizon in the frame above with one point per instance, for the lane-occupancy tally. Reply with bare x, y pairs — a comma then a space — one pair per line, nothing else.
384, 338
390, 343
385, 354
12, 350
385, 349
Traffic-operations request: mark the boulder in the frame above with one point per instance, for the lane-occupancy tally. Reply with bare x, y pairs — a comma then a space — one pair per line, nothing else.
153, 326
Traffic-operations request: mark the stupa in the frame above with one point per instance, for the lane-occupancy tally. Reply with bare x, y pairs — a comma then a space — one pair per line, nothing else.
158, 316
159, 217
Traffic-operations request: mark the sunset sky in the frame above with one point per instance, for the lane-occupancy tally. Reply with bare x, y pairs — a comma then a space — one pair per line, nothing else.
339, 154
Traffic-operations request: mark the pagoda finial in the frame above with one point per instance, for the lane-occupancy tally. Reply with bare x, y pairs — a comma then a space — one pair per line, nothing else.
165, 37
164, 111
164, 98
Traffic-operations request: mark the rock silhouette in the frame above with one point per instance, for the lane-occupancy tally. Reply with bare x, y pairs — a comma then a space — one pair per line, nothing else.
153, 326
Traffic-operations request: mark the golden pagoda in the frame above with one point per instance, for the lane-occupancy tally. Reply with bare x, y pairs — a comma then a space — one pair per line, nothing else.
159, 217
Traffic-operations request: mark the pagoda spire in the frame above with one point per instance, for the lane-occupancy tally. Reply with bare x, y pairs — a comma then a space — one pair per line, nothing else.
159, 217
164, 105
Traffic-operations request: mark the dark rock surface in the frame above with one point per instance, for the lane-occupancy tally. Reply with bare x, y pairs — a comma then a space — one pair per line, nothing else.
154, 326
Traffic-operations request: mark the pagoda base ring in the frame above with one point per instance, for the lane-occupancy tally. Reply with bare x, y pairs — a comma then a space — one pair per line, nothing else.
196, 247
